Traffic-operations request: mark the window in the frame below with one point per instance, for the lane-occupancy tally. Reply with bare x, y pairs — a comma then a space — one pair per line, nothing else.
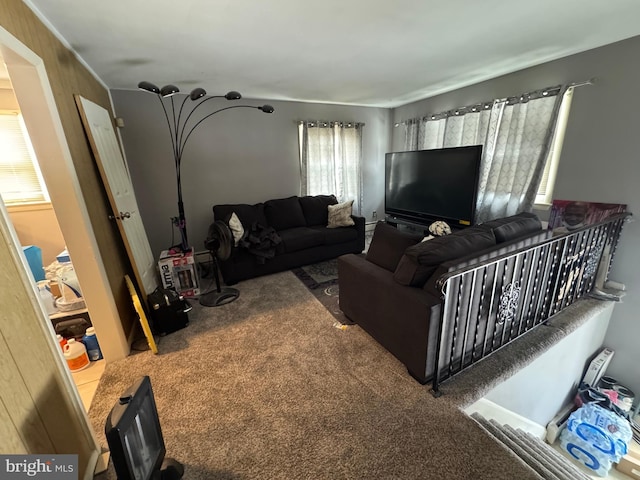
519, 158
21, 181
545, 190
331, 160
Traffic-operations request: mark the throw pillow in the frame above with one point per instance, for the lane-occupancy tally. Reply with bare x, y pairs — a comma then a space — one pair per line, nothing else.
340, 215
509, 228
236, 228
388, 245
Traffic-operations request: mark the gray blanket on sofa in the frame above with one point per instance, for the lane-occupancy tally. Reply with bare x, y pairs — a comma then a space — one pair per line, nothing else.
260, 241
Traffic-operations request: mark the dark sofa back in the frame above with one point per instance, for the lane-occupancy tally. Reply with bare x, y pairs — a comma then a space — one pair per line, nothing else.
280, 213
420, 261
284, 213
247, 214
316, 208
417, 264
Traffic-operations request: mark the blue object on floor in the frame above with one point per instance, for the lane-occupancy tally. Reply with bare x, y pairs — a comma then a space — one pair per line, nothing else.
34, 259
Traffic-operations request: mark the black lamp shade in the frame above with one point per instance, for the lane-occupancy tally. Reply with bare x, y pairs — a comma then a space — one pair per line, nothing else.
168, 90
267, 108
233, 95
197, 93
148, 87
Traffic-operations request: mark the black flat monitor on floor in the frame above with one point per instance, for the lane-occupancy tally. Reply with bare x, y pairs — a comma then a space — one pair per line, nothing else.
135, 438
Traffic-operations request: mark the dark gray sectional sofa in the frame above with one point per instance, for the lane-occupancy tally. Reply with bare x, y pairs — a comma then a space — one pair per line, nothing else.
285, 233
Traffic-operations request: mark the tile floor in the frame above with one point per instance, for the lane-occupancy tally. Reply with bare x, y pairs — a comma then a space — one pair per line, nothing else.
87, 381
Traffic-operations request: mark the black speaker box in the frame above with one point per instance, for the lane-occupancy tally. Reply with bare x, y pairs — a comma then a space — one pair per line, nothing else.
169, 311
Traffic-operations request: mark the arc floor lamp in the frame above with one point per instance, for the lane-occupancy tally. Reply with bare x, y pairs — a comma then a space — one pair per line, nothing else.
180, 131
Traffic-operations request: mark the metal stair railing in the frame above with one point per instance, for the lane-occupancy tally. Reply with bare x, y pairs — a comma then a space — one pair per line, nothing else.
488, 305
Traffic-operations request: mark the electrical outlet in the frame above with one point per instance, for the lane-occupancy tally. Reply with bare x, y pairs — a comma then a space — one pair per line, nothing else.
374, 215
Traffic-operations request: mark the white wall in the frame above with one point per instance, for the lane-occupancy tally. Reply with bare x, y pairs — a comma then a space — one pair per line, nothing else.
38, 225
539, 390
237, 156
599, 160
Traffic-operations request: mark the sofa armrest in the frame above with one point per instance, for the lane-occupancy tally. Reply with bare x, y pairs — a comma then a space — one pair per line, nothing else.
359, 226
402, 319
359, 222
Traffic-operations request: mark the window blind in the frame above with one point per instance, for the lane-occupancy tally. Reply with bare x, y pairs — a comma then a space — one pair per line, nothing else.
545, 190
20, 178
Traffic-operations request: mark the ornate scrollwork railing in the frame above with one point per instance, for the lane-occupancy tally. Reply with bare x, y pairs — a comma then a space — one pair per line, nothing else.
490, 304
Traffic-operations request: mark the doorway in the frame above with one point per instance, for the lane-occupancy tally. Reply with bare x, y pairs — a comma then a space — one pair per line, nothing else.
43, 243
37, 104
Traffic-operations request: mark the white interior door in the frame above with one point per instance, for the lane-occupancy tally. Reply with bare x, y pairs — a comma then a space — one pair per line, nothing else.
115, 175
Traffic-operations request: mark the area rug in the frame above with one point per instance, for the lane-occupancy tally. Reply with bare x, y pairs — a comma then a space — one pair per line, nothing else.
266, 387
322, 281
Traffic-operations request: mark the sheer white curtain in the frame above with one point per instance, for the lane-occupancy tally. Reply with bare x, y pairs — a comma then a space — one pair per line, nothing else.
515, 133
331, 160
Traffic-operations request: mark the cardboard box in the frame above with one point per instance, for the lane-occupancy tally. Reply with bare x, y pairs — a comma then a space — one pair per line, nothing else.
629, 466
179, 271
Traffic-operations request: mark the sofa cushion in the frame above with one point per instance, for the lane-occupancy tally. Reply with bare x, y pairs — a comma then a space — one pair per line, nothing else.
247, 214
315, 209
421, 260
340, 215
509, 228
300, 238
334, 236
284, 213
388, 245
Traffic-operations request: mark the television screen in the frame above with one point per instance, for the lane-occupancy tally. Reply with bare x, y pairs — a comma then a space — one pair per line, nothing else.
428, 185
134, 435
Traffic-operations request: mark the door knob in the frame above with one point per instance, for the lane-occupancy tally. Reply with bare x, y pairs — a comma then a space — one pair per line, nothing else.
122, 216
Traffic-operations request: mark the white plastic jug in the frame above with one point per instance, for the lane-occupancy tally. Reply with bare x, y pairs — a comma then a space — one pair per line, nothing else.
76, 355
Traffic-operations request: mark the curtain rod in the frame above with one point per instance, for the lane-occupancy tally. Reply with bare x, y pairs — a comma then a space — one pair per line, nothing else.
323, 123
590, 81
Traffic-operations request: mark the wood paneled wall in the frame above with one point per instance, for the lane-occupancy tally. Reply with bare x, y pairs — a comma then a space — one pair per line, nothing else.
37, 413
67, 77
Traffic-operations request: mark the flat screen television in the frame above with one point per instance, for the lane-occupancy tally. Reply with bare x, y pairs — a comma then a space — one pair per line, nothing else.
423, 186
135, 438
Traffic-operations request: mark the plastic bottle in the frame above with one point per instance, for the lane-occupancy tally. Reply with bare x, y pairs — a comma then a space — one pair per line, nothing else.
91, 342
47, 298
61, 340
76, 356
596, 437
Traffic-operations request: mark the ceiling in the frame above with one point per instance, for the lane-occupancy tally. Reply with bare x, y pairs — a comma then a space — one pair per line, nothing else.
380, 53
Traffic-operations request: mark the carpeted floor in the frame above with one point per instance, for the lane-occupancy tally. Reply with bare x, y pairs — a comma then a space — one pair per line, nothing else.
267, 388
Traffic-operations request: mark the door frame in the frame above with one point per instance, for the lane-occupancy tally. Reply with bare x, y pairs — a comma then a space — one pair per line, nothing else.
37, 104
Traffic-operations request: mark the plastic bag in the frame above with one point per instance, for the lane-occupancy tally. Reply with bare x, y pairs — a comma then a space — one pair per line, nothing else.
596, 437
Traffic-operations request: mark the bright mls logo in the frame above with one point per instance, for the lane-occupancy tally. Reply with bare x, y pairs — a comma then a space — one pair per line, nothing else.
50, 467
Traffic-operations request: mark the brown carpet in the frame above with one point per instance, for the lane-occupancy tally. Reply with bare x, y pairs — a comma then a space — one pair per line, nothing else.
267, 388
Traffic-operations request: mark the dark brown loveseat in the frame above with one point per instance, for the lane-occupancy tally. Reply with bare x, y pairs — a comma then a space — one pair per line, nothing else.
285, 233
391, 292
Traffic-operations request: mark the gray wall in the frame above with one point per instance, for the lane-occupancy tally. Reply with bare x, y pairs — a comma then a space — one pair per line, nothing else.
247, 156
599, 160
237, 156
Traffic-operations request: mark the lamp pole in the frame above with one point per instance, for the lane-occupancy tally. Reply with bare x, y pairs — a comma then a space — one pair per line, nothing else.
180, 132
